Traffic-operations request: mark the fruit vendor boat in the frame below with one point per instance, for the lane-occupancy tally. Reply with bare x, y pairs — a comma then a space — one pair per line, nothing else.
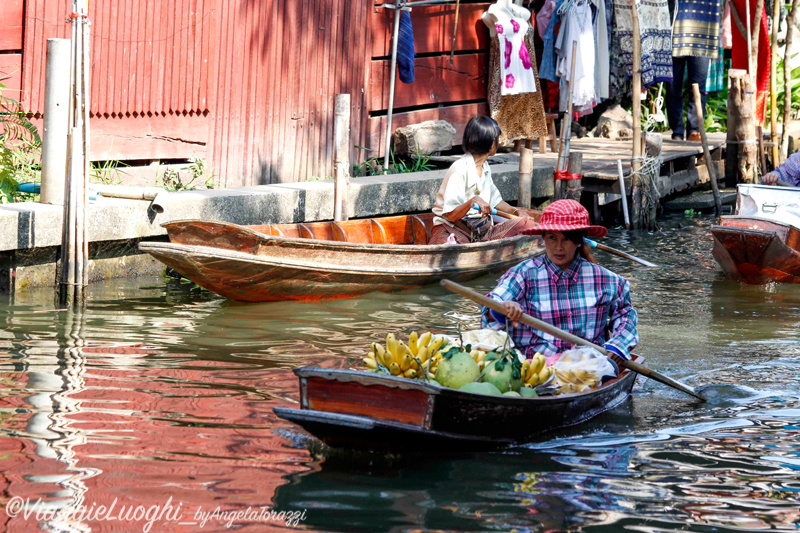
761, 242
326, 259
362, 410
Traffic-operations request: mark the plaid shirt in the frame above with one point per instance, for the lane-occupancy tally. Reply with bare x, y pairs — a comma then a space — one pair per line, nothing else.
789, 171
583, 300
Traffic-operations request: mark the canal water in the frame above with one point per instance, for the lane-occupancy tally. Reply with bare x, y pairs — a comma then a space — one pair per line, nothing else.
151, 410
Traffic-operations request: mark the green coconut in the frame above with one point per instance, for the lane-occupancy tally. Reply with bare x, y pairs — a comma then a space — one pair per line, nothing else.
512, 393
528, 392
457, 370
481, 388
500, 373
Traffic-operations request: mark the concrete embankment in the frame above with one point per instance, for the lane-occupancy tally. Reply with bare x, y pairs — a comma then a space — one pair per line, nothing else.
31, 238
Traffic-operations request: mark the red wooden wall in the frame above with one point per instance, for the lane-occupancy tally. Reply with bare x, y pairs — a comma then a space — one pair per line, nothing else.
249, 85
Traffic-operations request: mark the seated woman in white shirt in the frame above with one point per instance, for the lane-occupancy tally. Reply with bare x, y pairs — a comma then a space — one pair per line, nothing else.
469, 182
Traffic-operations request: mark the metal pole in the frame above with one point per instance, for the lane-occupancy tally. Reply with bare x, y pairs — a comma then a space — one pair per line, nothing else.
56, 122
86, 103
624, 195
341, 157
636, 160
392, 72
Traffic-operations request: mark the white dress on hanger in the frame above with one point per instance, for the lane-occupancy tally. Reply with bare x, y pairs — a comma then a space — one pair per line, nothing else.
577, 27
515, 63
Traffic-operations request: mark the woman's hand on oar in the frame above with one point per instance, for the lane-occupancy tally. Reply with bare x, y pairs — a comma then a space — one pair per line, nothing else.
568, 337
595, 244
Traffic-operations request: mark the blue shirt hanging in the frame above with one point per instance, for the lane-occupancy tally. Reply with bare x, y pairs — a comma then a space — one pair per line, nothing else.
405, 49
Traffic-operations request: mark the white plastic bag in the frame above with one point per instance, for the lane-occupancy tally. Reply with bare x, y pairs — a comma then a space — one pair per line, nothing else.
485, 339
580, 369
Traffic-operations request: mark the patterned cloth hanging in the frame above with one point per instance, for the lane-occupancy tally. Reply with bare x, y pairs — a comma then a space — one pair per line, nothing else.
655, 29
697, 28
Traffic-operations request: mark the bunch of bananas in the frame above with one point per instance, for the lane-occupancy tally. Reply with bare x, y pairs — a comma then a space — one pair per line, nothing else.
407, 360
480, 357
576, 380
535, 371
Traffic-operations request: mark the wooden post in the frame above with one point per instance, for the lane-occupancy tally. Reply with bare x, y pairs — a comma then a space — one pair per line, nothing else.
756, 36
56, 122
749, 37
341, 157
773, 85
574, 187
636, 160
525, 177
712, 170
566, 129
741, 93
761, 151
625, 216
787, 83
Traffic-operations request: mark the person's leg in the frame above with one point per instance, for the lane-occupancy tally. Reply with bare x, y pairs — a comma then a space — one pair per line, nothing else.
698, 73
675, 97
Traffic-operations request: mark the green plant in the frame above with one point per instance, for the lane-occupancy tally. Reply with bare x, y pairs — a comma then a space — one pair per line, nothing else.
374, 165
20, 149
173, 180
107, 172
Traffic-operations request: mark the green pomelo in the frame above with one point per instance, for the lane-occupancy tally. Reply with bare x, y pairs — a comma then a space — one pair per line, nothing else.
527, 392
457, 371
512, 393
481, 388
502, 379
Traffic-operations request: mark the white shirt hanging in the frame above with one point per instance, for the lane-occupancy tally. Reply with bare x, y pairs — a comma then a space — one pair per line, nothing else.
577, 27
516, 70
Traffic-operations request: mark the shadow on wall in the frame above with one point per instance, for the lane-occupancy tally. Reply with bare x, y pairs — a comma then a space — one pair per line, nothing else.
309, 51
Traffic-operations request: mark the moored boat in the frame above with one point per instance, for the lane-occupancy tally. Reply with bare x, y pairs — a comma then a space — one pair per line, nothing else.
760, 243
360, 410
326, 259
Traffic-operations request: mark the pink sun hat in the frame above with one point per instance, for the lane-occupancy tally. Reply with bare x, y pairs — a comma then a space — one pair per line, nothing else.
566, 215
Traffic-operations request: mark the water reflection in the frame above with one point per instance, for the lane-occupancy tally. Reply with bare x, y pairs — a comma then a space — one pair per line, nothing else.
158, 390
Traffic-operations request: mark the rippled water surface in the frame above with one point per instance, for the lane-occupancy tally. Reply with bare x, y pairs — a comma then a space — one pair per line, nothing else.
160, 396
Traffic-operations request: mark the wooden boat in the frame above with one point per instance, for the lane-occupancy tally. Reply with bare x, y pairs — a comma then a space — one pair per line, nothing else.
326, 259
761, 242
361, 410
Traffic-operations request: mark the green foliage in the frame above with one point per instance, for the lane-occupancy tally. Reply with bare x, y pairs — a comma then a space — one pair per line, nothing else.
794, 87
374, 166
716, 118
107, 172
173, 180
20, 149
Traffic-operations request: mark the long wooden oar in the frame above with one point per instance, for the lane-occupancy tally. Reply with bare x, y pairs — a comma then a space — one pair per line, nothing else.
569, 337
620, 253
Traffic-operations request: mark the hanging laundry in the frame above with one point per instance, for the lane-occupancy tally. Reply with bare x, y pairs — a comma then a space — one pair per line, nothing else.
543, 17
601, 47
405, 49
696, 30
727, 36
655, 30
739, 55
577, 28
548, 67
520, 116
716, 73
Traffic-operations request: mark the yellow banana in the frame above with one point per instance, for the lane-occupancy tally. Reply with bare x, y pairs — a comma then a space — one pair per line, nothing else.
391, 345
370, 363
537, 363
526, 364
379, 352
394, 368
423, 354
436, 343
533, 379
414, 363
425, 339
412, 343
402, 350
405, 363
410, 373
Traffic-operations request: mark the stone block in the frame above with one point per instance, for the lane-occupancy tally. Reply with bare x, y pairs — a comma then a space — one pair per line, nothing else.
424, 138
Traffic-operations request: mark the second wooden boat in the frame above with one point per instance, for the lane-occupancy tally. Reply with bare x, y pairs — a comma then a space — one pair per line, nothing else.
326, 259
360, 410
761, 242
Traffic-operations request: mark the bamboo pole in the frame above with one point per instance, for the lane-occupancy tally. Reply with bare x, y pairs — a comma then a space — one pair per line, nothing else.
787, 83
773, 84
392, 72
749, 37
574, 188
757, 33
636, 160
566, 129
525, 177
712, 171
341, 157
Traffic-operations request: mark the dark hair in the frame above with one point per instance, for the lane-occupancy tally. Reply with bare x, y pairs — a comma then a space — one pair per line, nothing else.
480, 135
584, 249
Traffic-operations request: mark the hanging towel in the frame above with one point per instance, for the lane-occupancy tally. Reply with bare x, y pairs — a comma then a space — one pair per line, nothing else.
405, 49
739, 55
696, 29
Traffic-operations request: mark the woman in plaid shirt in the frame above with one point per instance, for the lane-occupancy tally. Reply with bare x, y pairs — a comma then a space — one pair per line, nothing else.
567, 289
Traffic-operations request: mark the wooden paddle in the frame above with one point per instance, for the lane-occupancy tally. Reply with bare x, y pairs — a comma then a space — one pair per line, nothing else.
568, 337
620, 253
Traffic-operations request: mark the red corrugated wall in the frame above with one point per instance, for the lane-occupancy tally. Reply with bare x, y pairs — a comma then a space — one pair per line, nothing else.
285, 61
